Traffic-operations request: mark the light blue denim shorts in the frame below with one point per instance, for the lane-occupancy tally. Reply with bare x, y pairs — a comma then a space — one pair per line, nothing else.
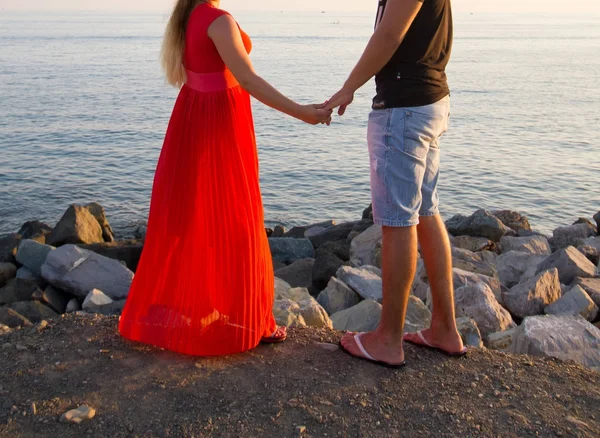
404, 153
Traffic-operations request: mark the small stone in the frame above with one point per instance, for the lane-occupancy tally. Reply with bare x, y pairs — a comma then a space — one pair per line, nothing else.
78, 415
21, 347
33, 409
327, 346
300, 430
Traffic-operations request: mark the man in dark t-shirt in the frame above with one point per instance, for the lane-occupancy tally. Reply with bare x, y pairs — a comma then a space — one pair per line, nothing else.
407, 54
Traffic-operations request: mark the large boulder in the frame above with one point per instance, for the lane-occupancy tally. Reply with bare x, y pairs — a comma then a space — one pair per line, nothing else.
420, 289
469, 332
337, 296
597, 219
12, 319
281, 288
590, 253
299, 232
312, 313
512, 219
288, 250
363, 317
474, 244
471, 262
341, 248
570, 264
128, 251
325, 266
53, 298
515, 266
77, 225
564, 237
8, 247
331, 234
574, 302
501, 341
527, 244
591, 286
8, 271
298, 274
78, 271
362, 248
287, 313
33, 255
98, 212
477, 301
532, 296
34, 311
479, 224
17, 289
462, 278
363, 280
418, 316
569, 338
35, 230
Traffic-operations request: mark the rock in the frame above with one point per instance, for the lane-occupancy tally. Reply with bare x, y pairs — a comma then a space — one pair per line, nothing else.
363, 317
98, 212
362, 247
512, 220
569, 338
471, 262
279, 231
418, 316
287, 313
325, 266
469, 332
532, 296
337, 296
298, 232
514, 266
298, 274
570, 264
269, 231
13, 319
278, 265
25, 274
8, 247
359, 228
334, 233
590, 253
35, 230
17, 289
477, 301
363, 281
73, 306
341, 248
527, 244
281, 288
420, 289
77, 225
474, 244
312, 313
571, 235
52, 298
591, 286
480, 224
77, 271
4, 329
501, 341
288, 250
8, 271
597, 219
128, 251
575, 302
368, 212
312, 232
94, 300
462, 278
33, 255
76, 416
34, 311
140, 231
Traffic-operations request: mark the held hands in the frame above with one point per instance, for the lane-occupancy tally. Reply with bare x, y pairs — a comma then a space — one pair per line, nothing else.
341, 99
315, 114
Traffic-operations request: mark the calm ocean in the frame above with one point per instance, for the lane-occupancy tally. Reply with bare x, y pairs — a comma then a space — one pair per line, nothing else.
84, 107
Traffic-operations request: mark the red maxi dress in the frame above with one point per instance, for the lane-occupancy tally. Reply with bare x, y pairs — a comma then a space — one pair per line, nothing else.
204, 284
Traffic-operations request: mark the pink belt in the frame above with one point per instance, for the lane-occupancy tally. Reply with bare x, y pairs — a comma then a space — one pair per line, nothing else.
209, 82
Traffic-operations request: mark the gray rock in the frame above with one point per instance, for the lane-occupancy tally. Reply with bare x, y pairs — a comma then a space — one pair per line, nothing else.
337, 296
594, 242
325, 266
94, 300
312, 232
597, 219
368, 212
288, 250
78, 271
278, 231
98, 212
569, 338
332, 234
571, 235
591, 286
362, 248
8, 247
298, 274
575, 302
477, 301
471, 262
127, 251
35, 230
474, 244
418, 316
363, 281
287, 313
570, 264
33, 255
25, 274
480, 224
420, 289
341, 248
77, 225
281, 288
513, 220
73, 306
52, 298
34, 311
298, 232
17, 289
532, 296
501, 341
140, 231
515, 266
462, 278
590, 253
311, 311
363, 317
528, 244
8, 271
469, 332
13, 319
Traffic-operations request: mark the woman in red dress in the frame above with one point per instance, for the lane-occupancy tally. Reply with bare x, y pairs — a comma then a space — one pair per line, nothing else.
204, 284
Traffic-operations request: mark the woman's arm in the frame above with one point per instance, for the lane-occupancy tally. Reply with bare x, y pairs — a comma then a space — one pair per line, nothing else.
397, 19
225, 33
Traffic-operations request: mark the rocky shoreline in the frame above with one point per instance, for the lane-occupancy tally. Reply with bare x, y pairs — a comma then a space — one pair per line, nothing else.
517, 290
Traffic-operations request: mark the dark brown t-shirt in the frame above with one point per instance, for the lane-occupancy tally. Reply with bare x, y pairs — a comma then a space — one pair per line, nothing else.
415, 76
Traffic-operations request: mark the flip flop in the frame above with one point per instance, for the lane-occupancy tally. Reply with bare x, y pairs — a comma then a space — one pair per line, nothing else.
426, 344
279, 335
366, 356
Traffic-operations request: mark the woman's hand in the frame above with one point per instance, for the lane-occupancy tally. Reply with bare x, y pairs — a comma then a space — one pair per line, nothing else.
315, 114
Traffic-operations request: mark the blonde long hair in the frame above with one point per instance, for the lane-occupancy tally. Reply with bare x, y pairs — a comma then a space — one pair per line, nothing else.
173, 45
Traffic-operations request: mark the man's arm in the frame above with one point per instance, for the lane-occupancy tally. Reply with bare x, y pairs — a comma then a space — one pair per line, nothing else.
397, 19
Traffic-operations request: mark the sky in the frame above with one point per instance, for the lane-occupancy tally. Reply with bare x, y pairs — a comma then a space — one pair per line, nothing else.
529, 6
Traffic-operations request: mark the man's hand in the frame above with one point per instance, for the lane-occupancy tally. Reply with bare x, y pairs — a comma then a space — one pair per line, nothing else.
341, 99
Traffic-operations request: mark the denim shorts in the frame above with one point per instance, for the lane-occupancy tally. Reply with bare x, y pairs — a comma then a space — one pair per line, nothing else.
404, 153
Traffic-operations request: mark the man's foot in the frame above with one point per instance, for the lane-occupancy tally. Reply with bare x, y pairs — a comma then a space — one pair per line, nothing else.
446, 342
374, 349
